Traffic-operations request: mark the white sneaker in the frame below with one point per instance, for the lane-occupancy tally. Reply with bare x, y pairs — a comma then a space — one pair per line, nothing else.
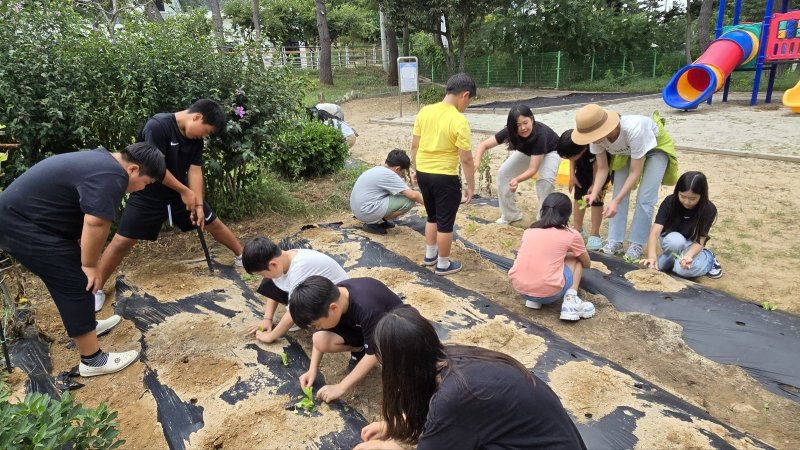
532, 304
105, 325
115, 363
237, 261
612, 248
503, 221
99, 300
573, 308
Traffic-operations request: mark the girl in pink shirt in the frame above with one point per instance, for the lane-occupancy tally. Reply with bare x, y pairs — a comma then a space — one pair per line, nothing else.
550, 261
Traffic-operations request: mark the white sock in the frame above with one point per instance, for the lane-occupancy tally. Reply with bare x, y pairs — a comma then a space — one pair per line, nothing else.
571, 292
431, 251
444, 262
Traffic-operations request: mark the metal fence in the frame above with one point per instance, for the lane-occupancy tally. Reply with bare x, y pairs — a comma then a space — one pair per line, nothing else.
307, 57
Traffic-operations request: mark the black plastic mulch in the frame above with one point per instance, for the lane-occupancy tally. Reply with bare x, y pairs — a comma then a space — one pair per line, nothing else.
564, 100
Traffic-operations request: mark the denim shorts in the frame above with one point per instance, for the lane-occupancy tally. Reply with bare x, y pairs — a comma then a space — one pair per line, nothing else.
560, 295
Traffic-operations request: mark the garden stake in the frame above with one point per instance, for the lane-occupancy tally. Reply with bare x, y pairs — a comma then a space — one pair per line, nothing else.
5, 347
205, 249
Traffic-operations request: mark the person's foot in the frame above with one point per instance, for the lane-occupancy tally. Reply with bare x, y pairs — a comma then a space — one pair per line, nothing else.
451, 268
584, 235
612, 248
532, 304
716, 270
115, 363
105, 325
505, 221
374, 228
387, 224
430, 261
634, 253
99, 300
594, 243
237, 261
573, 308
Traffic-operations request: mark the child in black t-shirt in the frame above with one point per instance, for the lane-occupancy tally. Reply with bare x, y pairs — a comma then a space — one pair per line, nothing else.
682, 225
345, 313
582, 168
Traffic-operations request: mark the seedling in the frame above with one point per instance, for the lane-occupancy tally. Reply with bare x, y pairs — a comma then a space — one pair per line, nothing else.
249, 277
285, 359
307, 403
581, 204
766, 407
506, 242
630, 260
769, 306
472, 227
676, 256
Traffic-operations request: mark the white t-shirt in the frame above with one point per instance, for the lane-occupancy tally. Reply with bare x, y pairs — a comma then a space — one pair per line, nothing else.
637, 136
342, 126
369, 199
307, 263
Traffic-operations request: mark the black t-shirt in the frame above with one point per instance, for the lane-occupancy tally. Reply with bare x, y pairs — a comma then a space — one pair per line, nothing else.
584, 167
543, 140
179, 152
497, 409
370, 300
43, 209
688, 220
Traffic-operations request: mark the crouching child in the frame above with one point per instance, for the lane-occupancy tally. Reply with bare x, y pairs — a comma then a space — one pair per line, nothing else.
345, 315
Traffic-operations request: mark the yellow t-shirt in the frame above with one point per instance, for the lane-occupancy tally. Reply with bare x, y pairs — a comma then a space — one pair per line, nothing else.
442, 130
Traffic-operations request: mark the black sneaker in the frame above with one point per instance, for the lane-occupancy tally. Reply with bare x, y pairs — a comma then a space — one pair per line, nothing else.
374, 228
386, 224
355, 358
716, 270
454, 267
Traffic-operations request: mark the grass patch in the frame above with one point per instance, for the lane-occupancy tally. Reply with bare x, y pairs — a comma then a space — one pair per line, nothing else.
367, 80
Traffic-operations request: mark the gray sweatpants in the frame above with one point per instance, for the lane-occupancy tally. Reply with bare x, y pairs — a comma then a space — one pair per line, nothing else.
515, 164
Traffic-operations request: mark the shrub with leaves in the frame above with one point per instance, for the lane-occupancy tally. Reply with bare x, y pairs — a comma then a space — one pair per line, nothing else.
39, 421
310, 149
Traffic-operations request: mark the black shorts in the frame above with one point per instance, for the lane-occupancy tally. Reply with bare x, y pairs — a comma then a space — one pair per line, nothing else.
441, 195
579, 192
144, 215
268, 289
352, 337
65, 280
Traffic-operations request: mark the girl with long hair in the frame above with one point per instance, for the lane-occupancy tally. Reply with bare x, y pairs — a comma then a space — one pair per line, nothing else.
682, 225
534, 145
457, 396
550, 261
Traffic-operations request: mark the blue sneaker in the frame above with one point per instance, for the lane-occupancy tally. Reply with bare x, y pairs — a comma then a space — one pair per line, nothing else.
430, 261
454, 267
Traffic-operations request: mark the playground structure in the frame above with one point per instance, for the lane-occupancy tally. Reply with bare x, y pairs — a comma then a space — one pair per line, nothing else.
737, 47
791, 98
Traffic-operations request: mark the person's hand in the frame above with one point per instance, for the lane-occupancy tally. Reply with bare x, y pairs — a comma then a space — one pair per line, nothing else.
686, 261
330, 392
610, 209
467, 196
512, 185
375, 430
307, 379
265, 337
189, 199
589, 198
93, 281
264, 325
573, 181
651, 263
199, 217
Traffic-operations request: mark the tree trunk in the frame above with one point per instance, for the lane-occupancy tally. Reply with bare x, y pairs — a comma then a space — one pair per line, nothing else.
406, 40
325, 71
449, 56
688, 45
391, 43
216, 16
152, 12
257, 22
703, 21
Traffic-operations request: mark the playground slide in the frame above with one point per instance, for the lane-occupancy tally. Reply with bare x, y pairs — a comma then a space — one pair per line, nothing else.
697, 82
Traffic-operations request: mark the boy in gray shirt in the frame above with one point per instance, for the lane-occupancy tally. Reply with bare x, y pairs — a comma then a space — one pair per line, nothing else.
380, 194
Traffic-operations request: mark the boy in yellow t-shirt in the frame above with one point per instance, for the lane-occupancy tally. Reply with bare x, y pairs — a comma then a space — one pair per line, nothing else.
441, 139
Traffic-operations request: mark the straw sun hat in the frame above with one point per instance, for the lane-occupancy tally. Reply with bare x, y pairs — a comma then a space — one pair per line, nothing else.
593, 123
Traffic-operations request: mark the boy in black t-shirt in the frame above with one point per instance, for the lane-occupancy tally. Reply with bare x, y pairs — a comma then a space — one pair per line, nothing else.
582, 168
346, 315
54, 220
179, 198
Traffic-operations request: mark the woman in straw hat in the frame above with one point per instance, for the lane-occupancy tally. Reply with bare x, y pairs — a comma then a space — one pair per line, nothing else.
643, 155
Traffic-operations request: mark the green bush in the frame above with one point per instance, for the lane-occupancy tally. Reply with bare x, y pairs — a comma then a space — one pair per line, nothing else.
42, 422
432, 93
311, 149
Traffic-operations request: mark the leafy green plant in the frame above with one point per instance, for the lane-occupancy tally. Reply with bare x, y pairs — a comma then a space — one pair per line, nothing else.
581, 204
432, 93
472, 227
507, 243
39, 421
485, 173
249, 277
285, 359
769, 306
310, 149
307, 403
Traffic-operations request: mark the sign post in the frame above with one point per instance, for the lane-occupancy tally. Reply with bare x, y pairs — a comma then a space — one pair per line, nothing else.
407, 74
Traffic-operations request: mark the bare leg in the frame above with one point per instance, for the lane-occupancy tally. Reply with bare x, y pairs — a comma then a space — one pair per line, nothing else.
113, 255
225, 236
444, 241
577, 216
87, 343
577, 271
430, 233
395, 215
597, 219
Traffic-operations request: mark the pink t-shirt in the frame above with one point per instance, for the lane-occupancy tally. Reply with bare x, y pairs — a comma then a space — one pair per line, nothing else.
538, 270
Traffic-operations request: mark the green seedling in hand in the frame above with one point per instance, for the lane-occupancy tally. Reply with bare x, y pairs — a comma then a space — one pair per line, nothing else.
285, 359
581, 203
769, 306
307, 403
676, 256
